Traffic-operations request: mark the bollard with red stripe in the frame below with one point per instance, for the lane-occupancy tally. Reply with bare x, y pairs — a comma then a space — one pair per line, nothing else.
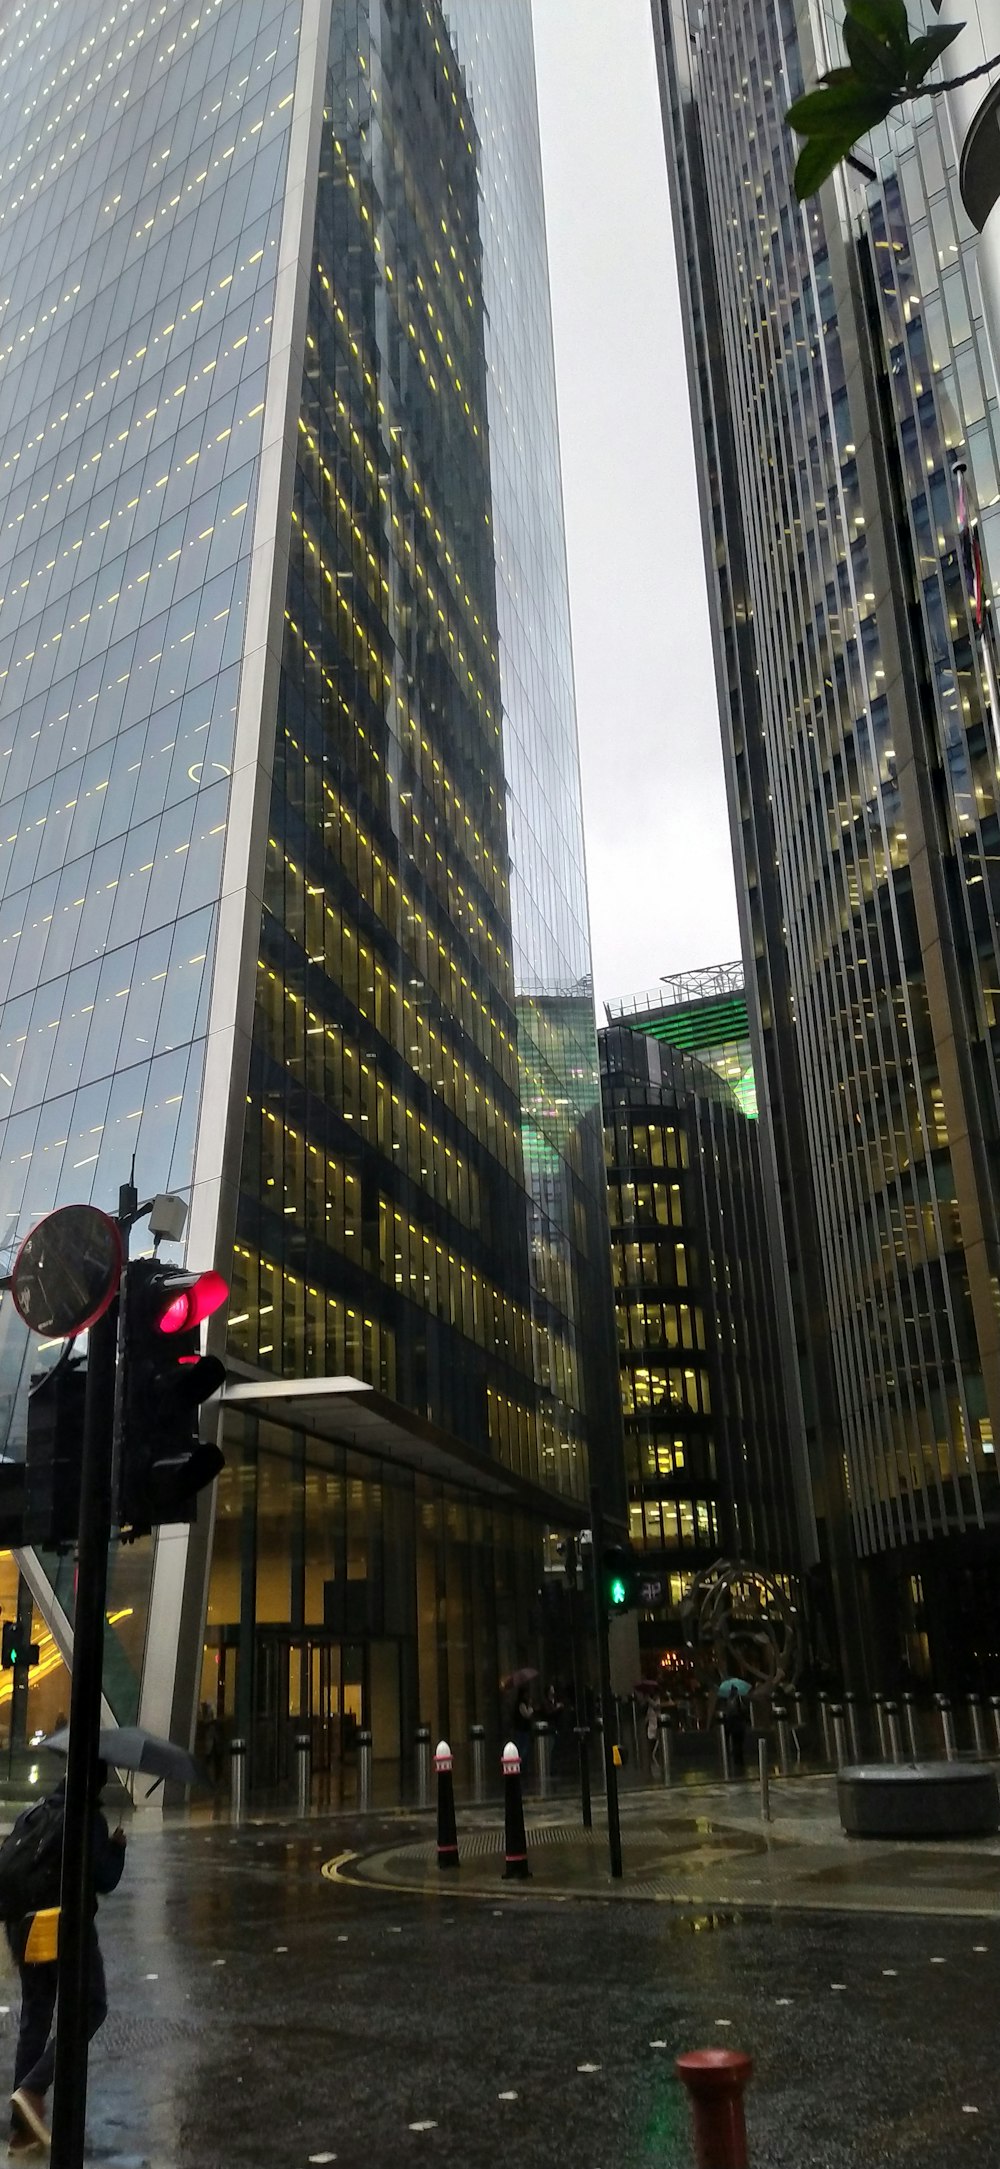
715, 2079
447, 1839
515, 1843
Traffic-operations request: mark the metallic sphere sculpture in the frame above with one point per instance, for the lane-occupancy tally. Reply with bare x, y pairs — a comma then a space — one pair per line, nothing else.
737, 1619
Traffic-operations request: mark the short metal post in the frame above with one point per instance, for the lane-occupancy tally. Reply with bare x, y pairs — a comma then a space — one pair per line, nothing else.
715, 2079
995, 1707
724, 1752
976, 1716
947, 1727
581, 1734
851, 1714
878, 1703
666, 1749
303, 1770
764, 1774
892, 1722
784, 1738
825, 1727
543, 1757
798, 1708
237, 1778
364, 1769
423, 1766
910, 1715
839, 1735
478, 1737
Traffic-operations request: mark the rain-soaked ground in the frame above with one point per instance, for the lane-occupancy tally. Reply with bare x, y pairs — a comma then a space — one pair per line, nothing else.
265, 2017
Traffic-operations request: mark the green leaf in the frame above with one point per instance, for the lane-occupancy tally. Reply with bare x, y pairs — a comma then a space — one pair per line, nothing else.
816, 161
828, 144
875, 63
839, 109
924, 51
884, 20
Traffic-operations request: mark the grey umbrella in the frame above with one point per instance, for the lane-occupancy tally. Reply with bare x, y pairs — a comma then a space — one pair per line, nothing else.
128, 1747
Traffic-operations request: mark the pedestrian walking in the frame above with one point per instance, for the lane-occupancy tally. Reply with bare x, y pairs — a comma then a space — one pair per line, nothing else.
519, 1711
734, 1695
32, 1933
652, 1730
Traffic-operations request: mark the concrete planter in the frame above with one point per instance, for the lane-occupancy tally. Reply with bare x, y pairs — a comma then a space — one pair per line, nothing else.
918, 1800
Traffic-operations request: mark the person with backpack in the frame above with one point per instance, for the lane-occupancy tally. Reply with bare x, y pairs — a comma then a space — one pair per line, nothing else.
30, 1869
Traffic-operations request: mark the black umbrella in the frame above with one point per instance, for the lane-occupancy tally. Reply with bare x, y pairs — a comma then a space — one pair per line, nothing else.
128, 1747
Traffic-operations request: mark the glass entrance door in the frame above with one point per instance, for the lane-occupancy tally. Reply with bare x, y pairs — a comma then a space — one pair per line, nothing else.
330, 1688
336, 1698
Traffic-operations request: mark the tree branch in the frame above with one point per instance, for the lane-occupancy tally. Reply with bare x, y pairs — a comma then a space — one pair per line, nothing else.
955, 82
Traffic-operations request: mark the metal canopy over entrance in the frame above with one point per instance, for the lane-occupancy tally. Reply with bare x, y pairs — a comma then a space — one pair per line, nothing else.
347, 1412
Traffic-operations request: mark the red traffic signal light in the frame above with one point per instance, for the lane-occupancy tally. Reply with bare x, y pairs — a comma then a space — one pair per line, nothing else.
201, 1294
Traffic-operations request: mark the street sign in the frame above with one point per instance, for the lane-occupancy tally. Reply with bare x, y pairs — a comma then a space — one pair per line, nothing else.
67, 1271
650, 1590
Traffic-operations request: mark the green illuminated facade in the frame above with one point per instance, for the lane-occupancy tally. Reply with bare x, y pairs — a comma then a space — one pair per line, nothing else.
703, 1013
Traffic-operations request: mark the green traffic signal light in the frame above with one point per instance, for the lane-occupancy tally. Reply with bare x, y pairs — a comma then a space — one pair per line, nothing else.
618, 1578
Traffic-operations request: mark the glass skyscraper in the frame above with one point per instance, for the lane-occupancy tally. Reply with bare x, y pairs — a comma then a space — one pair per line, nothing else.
714, 1454
292, 907
848, 436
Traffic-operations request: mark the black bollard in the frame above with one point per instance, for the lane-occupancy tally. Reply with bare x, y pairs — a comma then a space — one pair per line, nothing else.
447, 1837
515, 1844
582, 1735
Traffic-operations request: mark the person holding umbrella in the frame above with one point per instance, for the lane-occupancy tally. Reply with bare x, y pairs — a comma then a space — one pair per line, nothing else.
520, 1711
33, 1937
38, 1968
734, 1696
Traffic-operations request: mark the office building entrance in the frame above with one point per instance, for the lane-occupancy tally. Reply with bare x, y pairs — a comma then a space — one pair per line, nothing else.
329, 1688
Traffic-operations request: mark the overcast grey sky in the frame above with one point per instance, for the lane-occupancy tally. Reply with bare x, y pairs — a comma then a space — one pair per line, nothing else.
659, 864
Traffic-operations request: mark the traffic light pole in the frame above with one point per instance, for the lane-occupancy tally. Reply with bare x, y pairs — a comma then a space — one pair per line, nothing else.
581, 1727
69, 2101
608, 1716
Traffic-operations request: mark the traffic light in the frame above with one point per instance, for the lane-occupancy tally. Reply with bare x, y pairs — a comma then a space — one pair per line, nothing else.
11, 1505
52, 1455
14, 1650
163, 1464
620, 1578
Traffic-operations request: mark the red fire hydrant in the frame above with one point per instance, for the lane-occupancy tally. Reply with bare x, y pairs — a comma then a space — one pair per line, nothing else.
715, 2079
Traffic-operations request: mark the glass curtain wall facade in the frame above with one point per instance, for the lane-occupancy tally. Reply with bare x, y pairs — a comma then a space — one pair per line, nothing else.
365, 996
846, 408
139, 223
714, 1454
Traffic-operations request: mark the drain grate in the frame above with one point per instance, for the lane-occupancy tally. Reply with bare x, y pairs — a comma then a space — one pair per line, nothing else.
485, 1844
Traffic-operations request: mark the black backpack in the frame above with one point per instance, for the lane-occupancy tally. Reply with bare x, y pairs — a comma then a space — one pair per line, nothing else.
31, 1860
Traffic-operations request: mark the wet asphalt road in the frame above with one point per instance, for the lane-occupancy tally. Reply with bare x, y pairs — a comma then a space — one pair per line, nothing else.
263, 2018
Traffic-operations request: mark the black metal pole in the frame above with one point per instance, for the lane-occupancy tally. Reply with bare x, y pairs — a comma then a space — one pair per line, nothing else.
21, 1676
69, 2101
581, 1727
608, 1712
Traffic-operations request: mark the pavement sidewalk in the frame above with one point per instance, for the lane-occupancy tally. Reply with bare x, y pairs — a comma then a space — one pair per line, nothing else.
706, 1849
